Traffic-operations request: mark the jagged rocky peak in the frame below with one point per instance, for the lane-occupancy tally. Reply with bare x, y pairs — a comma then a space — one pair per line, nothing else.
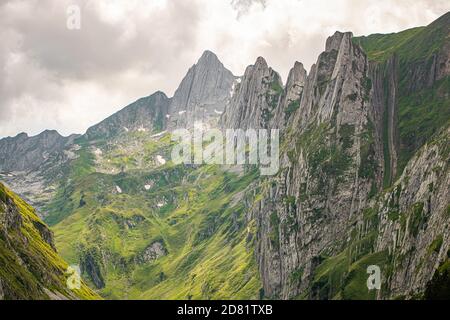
330, 110
24, 153
334, 41
255, 99
295, 85
261, 63
334, 85
147, 114
208, 58
291, 99
297, 75
203, 92
22, 135
159, 97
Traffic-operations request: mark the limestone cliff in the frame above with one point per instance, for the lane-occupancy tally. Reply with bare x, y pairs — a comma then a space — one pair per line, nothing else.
342, 200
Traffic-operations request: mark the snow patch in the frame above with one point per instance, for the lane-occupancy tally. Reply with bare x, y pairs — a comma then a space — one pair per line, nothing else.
167, 116
160, 159
182, 112
217, 112
126, 129
142, 129
158, 134
160, 204
118, 189
147, 187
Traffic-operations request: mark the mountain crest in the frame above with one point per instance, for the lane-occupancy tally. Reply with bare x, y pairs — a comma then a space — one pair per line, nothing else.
208, 57
25, 153
261, 63
203, 92
146, 114
255, 101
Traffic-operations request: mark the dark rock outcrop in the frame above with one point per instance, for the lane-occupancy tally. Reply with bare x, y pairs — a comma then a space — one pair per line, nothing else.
89, 265
154, 251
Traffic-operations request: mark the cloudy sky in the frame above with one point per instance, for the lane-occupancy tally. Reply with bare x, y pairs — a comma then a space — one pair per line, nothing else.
53, 77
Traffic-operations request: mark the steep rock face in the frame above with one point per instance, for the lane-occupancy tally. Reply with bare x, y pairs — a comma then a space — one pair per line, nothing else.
203, 92
146, 114
383, 79
414, 221
334, 84
323, 182
434, 62
320, 221
30, 268
290, 100
23, 153
255, 99
90, 266
418, 61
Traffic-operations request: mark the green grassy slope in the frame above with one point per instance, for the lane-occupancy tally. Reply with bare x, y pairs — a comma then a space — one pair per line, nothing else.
197, 214
422, 112
29, 267
410, 45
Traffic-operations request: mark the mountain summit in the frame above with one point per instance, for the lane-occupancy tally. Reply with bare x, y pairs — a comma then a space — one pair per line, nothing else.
203, 92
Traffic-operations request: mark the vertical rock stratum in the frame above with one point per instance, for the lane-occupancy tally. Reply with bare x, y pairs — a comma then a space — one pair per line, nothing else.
359, 185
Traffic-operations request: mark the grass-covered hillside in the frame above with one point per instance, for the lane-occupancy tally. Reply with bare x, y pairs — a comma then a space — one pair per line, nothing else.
143, 228
30, 267
423, 83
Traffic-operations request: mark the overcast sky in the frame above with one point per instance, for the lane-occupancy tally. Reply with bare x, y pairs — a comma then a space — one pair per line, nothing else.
56, 78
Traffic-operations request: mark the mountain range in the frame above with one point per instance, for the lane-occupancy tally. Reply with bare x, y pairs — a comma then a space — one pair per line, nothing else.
364, 180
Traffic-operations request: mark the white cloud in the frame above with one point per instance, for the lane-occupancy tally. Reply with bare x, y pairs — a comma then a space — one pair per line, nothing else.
53, 78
